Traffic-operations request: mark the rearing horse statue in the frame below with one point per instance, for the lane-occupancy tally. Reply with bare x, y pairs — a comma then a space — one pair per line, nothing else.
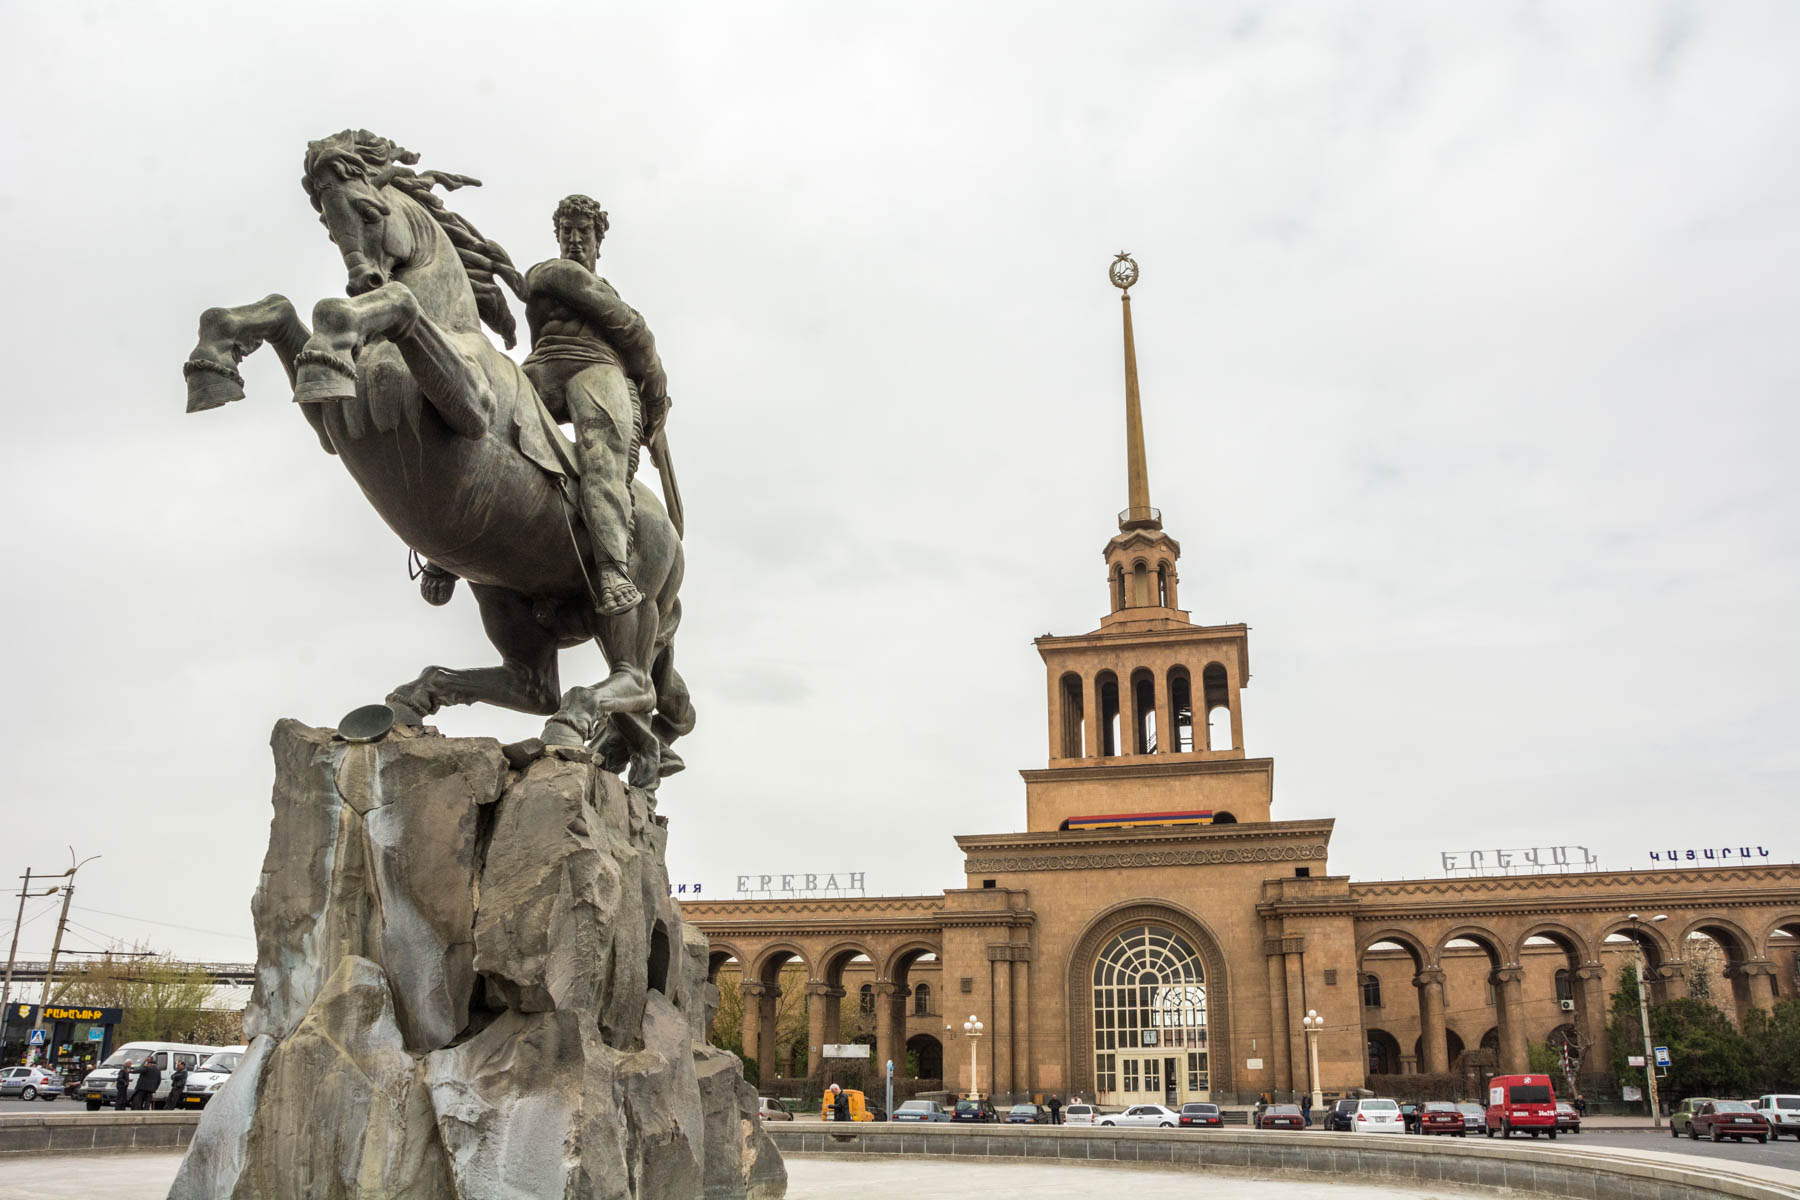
447, 439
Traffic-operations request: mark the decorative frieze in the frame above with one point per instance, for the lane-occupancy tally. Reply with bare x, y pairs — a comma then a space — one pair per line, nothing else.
1195, 857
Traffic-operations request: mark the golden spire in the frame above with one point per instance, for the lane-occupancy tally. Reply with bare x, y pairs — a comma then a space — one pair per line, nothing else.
1138, 513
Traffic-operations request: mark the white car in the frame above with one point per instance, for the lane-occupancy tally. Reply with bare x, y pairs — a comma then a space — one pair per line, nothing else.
205, 1080
1145, 1116
1782, 1113
1377, 1116
1079, 1114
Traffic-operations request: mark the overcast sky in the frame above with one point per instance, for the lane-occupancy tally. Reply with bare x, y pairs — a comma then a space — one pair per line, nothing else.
1466, 334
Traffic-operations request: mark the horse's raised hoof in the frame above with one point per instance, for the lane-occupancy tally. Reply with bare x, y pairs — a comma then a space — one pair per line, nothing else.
210, 385
328, 387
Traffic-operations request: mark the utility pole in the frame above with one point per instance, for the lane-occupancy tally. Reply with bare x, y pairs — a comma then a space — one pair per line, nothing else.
68, 891
1649, 1052
13, 956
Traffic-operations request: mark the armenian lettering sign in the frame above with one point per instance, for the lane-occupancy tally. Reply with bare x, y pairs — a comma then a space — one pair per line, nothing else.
1709, 855
58, 1012
1527, 860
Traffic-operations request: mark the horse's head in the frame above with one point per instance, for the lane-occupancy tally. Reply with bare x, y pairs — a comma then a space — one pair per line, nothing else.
347, 178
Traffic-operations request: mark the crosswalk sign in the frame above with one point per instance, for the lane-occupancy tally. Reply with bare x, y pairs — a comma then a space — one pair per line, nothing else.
37, 1037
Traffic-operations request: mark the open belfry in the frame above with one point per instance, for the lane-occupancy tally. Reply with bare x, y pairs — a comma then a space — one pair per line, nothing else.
1156, 934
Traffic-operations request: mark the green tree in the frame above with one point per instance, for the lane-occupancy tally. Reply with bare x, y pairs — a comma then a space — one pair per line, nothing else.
163, 998
1773, 1040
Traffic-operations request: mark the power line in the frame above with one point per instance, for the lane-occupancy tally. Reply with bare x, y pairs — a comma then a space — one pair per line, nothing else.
168, 924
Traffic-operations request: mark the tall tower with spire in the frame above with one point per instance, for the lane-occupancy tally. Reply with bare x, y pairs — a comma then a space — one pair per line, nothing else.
1145, 712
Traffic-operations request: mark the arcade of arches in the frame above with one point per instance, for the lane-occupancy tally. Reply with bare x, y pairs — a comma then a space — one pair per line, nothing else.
1173, 958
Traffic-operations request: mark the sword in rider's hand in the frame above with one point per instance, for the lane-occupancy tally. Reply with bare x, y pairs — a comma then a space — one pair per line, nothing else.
665, 469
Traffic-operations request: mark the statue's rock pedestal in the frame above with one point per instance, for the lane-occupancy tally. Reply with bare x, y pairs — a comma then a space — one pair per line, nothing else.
472, 983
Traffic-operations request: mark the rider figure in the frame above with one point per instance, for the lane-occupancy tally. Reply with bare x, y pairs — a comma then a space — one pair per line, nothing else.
594, 364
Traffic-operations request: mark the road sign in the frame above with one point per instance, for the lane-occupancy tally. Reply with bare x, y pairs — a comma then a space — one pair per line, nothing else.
1662, 1056
38, 1037
1634, 1060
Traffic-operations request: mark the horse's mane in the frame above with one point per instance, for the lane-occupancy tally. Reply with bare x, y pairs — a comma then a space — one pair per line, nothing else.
359, 153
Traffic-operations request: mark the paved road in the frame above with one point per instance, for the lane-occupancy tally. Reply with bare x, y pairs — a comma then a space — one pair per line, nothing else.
1784, 1153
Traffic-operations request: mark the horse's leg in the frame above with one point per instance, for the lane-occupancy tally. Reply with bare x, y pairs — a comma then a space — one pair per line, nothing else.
674, 710
453, 383
525, 680
628, 640
230, 335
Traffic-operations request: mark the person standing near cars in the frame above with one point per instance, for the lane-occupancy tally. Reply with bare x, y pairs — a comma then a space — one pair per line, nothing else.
122, 1085
840, 1103
177, 1085
1055, 1111
1306, 1109
149, 1078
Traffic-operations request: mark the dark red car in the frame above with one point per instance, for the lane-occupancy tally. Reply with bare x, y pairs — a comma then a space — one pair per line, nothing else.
1440, 1116
1282, 1116
1195, 1115
1728, 1119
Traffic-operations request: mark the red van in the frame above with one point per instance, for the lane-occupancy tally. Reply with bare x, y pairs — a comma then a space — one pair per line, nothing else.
1522, 1102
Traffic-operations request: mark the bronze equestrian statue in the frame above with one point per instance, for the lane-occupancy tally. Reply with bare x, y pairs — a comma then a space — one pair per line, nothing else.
463, 458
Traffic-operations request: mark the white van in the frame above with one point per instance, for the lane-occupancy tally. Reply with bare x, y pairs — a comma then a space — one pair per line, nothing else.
214, 1071
1077, 1113
97, 1088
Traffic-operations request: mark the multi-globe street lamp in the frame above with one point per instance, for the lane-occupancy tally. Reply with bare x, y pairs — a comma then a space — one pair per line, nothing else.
972, 1029
1313, 1023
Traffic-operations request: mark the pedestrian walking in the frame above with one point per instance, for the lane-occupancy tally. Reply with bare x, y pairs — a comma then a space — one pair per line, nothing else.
122, 1085
840, 1103
1055, 1111
177, 1085
149, 1078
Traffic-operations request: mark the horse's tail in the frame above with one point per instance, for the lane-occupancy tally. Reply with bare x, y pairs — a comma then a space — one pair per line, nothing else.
674, 707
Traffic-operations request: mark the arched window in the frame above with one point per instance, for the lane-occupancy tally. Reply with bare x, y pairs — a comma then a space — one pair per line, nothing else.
1143, 696
1149, 1005
1118, 586
1565, 984
867, 998
1106, 686
1074, 722
1215, 690
1371, 991
1162, 585
922, 999
1140, 584
1181, 706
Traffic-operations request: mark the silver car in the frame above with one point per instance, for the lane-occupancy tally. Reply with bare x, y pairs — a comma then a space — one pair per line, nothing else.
30, 1083
921, 1110
1474, 1118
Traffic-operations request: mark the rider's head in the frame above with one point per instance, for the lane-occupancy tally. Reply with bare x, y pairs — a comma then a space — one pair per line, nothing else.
580, 225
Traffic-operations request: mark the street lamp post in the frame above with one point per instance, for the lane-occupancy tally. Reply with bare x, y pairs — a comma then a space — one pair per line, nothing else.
972, 1028
68, 891
1313, 1023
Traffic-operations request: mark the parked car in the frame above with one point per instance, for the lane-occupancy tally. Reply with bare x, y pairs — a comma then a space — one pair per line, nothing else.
1201, 1116
974, 1110
1522, 1103
1079, 1114
213, 1073
1440, 1116
1144, 1116
97, 1088
1342, 1117
1728, 1119
1568, 1118
1281, 1116
1682, 1118
1377, 1116
771, 1109
921, 1110
1028, 1114
1474, 1118
1782, 1113
30, 1083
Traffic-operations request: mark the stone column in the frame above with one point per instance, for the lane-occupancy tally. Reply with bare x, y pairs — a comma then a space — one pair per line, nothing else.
1096, 733
1509, 1006
1279, 1079
1296, 1032
768, 1061
890, 1024
1590, 997
1237, 713
1024, 1066
1668, 981
1409, 1064
751, 993
1128, 716
1000, 1024
818, 1002
1752, 985
1434, 1043
1166, 741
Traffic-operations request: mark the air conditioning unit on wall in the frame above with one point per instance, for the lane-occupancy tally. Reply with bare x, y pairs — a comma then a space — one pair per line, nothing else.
1567, 1005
